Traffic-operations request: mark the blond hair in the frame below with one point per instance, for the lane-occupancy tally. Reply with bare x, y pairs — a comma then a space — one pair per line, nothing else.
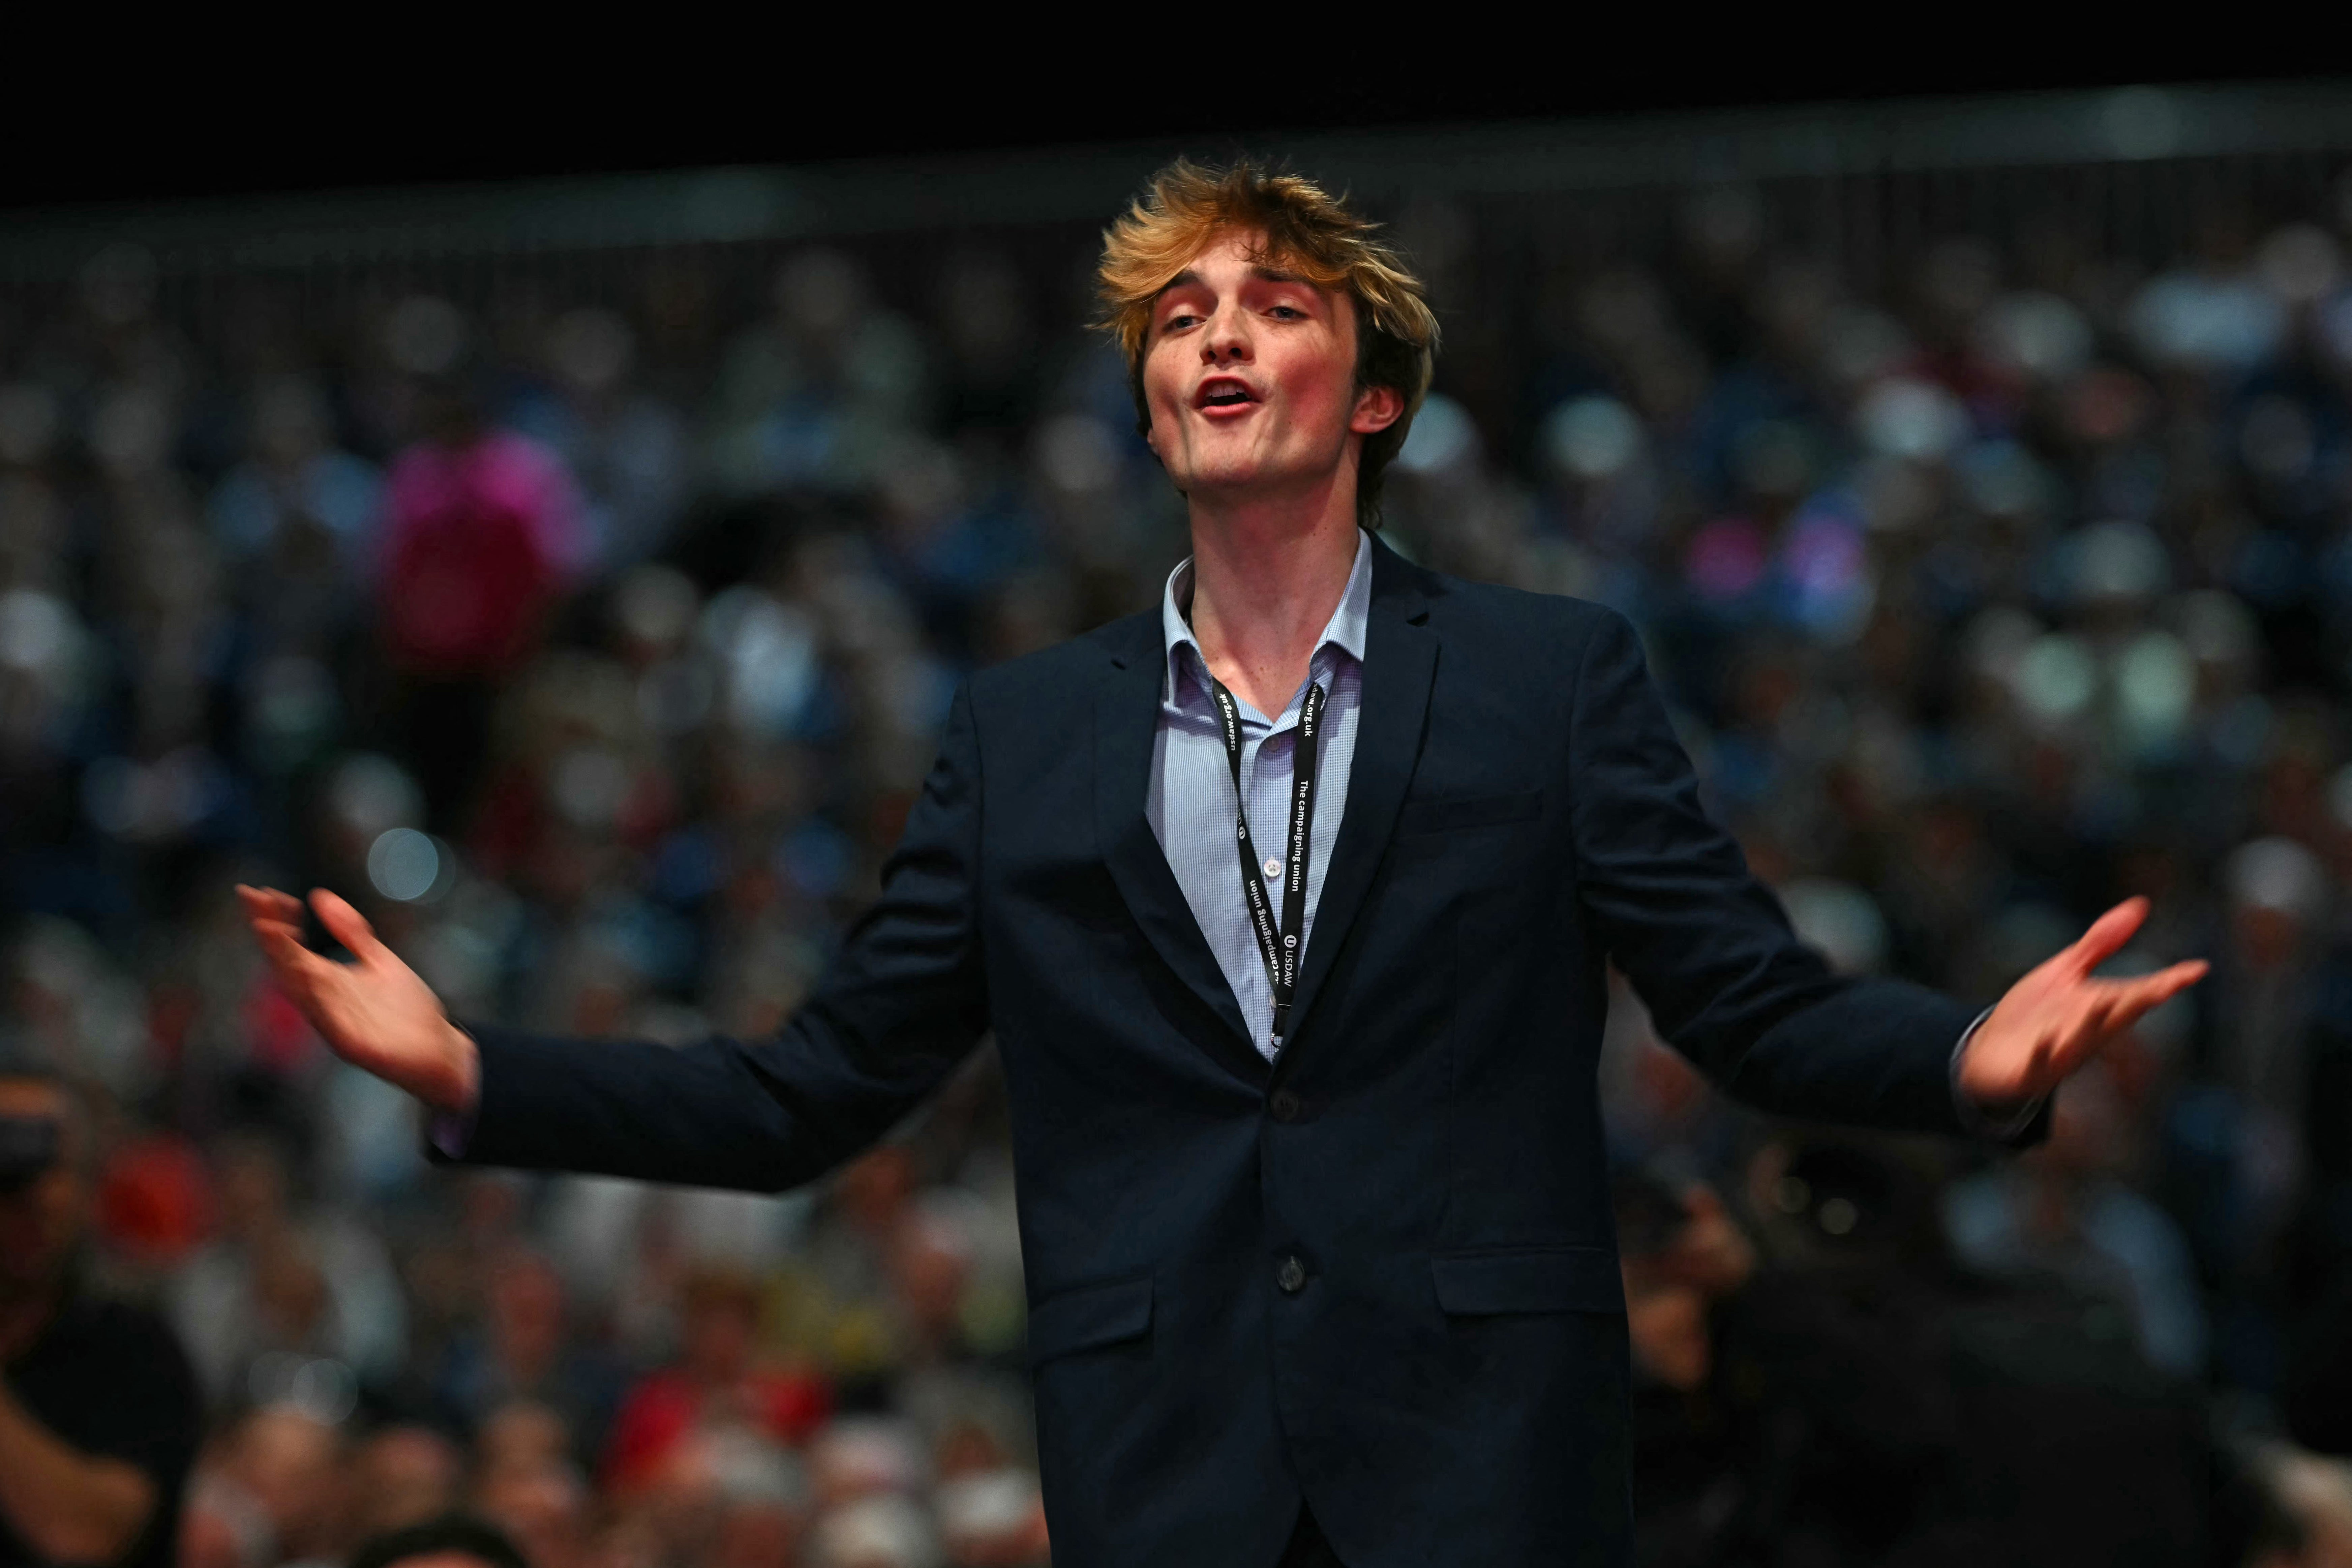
1305, 229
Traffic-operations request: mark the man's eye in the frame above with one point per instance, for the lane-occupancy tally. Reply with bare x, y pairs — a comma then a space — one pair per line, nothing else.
1180, 319
1288, 312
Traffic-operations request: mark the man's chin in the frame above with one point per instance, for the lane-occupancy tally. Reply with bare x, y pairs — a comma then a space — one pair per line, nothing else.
1236, 477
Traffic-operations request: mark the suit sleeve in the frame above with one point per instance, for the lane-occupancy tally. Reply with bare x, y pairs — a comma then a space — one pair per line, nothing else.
902, 1004
1707, 945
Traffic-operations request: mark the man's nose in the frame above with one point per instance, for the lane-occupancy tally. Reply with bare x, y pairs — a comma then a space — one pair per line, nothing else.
1227, 339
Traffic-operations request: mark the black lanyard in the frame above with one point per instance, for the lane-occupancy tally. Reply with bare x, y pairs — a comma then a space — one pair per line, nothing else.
1280, 950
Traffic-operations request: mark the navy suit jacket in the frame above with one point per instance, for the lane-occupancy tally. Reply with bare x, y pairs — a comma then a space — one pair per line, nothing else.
1380, 1273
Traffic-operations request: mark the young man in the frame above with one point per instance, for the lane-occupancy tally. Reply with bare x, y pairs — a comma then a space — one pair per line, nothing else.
1288, 902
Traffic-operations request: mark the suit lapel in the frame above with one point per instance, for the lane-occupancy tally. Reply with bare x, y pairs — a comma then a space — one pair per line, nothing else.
1127, 712
1399, 666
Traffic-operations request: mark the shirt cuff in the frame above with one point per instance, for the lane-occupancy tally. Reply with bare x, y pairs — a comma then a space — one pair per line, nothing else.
448, 1133
1974, 1117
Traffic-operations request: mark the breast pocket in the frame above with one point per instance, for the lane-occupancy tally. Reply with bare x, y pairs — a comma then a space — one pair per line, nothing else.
1447, 814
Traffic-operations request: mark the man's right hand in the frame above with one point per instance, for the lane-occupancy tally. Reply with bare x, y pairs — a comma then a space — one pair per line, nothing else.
376, 1013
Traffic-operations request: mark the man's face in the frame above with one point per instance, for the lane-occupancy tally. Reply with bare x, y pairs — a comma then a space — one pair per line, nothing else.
40, 1221
1249, 373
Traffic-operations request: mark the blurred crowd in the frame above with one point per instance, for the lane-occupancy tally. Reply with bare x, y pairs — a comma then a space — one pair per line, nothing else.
590, 625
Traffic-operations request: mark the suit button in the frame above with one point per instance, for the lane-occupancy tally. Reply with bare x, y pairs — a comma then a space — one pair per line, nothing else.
1291, 1276
1285, 1105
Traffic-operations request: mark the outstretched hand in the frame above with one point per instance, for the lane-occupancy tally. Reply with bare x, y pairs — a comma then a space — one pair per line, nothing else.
374, 1012
2058, 1016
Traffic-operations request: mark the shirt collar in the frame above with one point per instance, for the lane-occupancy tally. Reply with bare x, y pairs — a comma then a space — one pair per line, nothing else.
1344, 630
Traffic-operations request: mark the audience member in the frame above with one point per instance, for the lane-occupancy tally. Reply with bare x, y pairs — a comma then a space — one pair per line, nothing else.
98, 1415
715, 1384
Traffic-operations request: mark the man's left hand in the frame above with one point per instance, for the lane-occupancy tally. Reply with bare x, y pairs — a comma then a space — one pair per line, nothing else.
2058, 1016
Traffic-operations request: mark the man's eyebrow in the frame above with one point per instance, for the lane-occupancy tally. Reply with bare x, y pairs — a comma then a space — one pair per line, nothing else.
1262, 271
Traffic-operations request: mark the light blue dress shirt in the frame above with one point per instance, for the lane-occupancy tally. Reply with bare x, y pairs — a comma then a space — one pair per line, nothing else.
1191, 805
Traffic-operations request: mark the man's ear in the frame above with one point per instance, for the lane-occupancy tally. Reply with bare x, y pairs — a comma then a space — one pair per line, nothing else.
1377, 408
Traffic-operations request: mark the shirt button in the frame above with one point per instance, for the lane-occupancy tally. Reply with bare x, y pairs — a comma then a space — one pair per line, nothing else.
1272, 866
1285, 1105
1291, 1276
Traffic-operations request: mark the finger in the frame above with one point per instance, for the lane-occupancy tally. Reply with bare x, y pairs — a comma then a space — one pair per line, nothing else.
2108, 934
2132, 998
348, 926
270, 923
2102, 1020
269, 902
2081, 1031
297, 968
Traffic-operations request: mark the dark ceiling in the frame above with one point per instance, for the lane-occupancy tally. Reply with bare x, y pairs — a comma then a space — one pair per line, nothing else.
135, 148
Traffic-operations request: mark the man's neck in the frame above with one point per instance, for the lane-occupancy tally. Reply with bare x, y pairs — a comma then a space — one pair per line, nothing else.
1267, 575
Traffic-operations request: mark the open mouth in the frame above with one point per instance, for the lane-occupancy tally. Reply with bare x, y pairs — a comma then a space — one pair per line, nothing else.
1223, 392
